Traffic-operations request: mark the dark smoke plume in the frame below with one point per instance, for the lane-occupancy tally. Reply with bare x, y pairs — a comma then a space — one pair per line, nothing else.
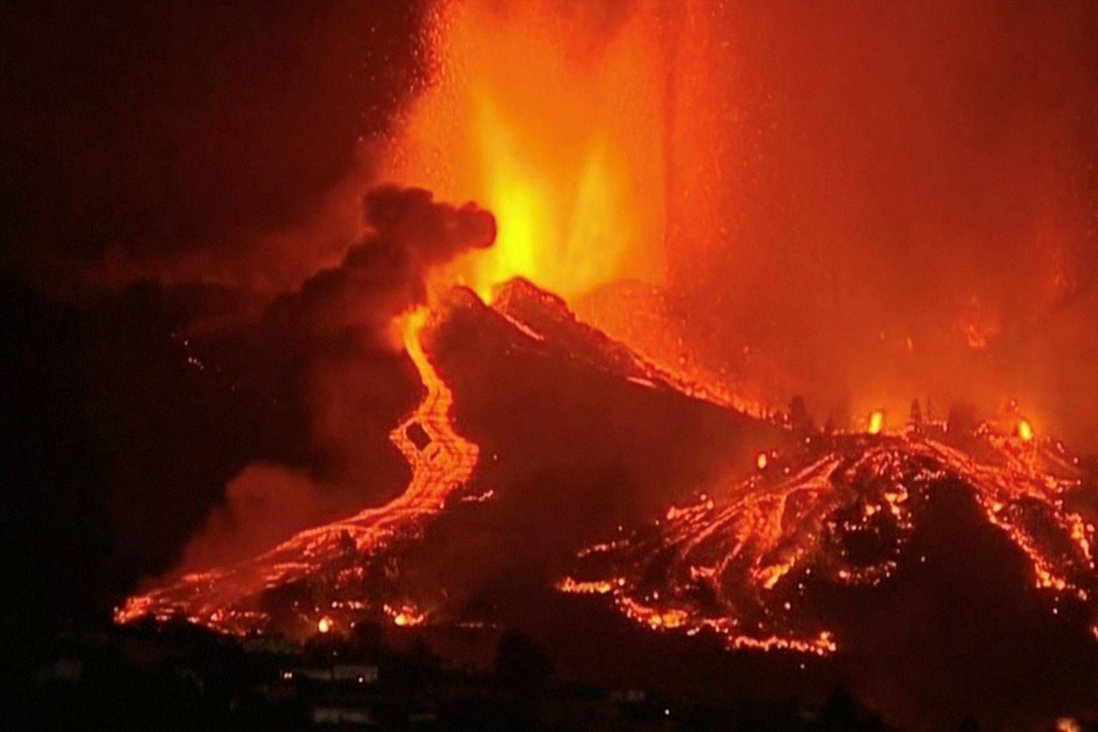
337, 328
386, 273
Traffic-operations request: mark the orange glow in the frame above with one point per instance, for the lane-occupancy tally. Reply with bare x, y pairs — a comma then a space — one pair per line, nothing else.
1025, 430
405, 616
448, 461
876, 423
760, 461
580, 587
558, 135
772, 531
1067, 724
443, 465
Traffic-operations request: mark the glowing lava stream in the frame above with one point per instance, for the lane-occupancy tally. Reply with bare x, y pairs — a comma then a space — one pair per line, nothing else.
449, 460
840, 512
226, 598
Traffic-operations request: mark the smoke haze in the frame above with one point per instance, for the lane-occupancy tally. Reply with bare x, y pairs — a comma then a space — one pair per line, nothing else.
894, 200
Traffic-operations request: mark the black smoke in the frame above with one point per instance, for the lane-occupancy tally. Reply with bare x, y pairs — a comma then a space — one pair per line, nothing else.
333, 343
161, 168
187, 425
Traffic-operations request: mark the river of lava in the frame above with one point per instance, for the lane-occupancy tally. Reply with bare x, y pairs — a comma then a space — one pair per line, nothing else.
351, 554
838, 513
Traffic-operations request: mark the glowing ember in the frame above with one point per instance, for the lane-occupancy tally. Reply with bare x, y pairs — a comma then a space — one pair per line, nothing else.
1025, 431
405, 616
325, 625
761, 461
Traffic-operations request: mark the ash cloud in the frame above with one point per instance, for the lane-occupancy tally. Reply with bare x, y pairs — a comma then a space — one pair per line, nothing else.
263, 504
180, 187
201, 422
333, 341
387, 273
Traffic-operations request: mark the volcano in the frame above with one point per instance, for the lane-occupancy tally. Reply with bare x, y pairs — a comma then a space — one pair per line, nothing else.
584, 438
719, 354
552, 464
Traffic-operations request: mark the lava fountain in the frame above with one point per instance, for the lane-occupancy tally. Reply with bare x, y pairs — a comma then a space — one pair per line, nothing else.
552, 119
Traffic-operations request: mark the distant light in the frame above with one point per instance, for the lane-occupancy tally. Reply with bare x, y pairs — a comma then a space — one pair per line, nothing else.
325, 625
1025, 430
876, 422
761, 460
1067, 724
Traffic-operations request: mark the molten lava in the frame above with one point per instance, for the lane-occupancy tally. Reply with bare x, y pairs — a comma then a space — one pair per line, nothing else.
838, 514
230, 598
448, 460
1025, 431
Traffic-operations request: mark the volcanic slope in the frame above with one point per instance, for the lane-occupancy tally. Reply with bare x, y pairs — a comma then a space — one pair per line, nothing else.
536, 433
938, 574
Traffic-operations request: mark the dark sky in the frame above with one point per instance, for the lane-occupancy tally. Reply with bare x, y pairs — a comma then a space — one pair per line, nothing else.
143, 131
151, 127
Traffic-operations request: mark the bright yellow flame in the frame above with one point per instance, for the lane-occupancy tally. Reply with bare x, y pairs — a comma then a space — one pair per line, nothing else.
761, 460
558, 134
325, 625
1025, 430
876, 422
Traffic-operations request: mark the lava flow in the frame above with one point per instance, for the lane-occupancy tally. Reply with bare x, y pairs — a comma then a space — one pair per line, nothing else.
757, 565
445, 460
231, 599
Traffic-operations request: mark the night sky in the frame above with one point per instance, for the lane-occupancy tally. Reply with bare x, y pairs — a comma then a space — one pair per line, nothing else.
138, 133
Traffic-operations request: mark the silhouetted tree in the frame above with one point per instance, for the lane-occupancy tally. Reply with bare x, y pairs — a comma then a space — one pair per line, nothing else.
843, 712
840, 711
969, 724
368, 639
520, 664
962, 418
798, 415
916, 414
